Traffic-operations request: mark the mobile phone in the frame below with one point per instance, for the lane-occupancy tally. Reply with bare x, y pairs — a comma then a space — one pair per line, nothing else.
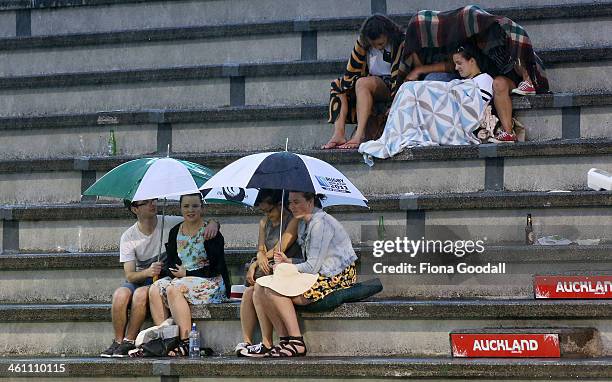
173, 269
387, 56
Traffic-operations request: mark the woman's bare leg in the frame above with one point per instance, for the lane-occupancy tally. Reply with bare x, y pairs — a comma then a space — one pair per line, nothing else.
158, 311
248, 316
502, 86
181, 313
522, 72
285, 313
264, 311
338, 137
367, 90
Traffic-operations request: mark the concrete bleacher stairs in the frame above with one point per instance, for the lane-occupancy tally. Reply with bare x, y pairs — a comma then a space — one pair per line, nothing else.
216, 80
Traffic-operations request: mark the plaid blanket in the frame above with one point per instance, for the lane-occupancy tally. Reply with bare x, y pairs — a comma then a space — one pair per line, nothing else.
502, 40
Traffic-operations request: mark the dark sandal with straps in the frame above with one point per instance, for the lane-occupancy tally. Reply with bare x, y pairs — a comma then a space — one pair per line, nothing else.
289, 348
276, 348
181, 350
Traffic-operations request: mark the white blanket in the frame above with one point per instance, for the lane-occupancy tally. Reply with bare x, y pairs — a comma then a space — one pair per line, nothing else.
429, 113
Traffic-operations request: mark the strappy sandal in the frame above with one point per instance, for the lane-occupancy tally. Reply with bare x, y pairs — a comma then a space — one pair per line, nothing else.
289, 348
181, 350
276, 348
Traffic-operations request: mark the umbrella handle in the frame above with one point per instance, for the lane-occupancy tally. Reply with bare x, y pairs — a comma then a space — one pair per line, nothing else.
161, 236
280, 227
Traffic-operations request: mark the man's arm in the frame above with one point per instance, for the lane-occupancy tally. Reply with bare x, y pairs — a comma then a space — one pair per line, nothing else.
129, 268
211, 230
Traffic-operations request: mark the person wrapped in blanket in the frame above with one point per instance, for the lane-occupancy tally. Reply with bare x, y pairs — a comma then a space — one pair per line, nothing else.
504, 46
270, 226
426, 113
198, 269
370, 77
329, 266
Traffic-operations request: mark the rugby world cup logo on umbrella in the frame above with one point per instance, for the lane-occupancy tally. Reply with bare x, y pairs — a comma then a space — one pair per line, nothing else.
332, 184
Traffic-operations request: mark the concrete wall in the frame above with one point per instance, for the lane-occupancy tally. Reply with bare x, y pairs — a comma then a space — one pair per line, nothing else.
77, 141
187, 13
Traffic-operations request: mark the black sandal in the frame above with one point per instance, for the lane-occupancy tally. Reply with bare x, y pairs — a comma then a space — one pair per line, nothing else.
277, 348
181, 350
289, 348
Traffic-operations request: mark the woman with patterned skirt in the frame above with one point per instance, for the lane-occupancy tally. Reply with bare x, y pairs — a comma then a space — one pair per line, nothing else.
198, 269
329, 266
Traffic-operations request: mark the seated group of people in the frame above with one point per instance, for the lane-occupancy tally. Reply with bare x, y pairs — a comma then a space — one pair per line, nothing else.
314, 258
467, 44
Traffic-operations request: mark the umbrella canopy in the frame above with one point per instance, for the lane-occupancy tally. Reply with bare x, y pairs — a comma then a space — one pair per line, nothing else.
288, 171
151, 178
231, 195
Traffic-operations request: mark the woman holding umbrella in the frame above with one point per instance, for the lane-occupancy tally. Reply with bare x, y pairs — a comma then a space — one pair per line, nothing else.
269, 202
329, 265
325, 243
197, 266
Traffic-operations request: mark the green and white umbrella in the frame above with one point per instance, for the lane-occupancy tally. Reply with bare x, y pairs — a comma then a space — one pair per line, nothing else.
151, 178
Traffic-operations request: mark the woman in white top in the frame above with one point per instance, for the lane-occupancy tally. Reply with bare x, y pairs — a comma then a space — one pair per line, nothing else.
467, 67
371, 76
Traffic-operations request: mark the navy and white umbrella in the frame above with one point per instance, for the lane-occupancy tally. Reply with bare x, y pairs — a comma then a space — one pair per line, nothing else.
287, 171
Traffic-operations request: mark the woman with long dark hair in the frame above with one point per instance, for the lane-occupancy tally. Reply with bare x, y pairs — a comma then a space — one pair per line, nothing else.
371, 76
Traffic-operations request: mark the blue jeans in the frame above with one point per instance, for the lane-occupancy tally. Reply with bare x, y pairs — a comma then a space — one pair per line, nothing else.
133, 286
442, 76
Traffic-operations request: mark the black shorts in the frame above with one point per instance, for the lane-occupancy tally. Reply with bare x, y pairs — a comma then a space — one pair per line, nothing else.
386, 80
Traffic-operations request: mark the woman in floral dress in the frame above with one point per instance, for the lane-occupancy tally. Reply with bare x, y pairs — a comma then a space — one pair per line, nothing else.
199, 274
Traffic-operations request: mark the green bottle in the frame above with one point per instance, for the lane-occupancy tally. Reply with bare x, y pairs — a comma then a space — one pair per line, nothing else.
381, 228
112, 143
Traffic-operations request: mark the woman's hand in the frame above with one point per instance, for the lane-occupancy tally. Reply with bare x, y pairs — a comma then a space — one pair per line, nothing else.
280, 257
250, 275
413, 75
179, 271
262, 262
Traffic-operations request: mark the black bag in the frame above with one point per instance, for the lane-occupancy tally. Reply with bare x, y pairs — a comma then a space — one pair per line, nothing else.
160, 347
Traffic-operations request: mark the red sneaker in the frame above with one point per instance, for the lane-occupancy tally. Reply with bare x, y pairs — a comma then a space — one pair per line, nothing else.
524, 88
506, 137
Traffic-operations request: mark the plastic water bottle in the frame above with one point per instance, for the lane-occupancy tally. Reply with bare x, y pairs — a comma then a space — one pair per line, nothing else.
194, 342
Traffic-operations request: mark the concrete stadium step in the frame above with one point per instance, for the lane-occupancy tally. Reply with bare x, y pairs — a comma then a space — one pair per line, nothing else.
58, 278
79, 277
330, 38
394, 327
530, 166
578, 71
315, 368
331, 67
244, 128
497, 216
68, 16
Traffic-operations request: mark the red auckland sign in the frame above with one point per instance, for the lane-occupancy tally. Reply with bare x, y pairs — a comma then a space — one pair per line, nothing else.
517, 345
573, 286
